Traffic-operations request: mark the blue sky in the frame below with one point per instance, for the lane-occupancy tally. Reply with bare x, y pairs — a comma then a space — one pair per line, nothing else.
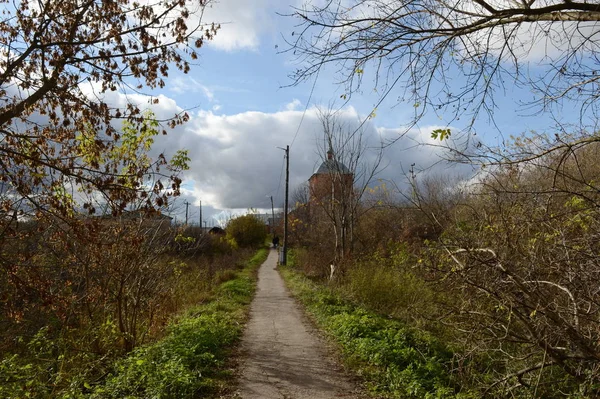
241, 112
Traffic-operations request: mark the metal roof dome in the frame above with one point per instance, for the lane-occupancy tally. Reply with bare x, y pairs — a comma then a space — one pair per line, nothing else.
332, 166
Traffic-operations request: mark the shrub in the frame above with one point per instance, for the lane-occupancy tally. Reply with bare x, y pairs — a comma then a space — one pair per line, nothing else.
189, 361
394, 286
387, 290
180, 366
313, 263
247, 231
395, 359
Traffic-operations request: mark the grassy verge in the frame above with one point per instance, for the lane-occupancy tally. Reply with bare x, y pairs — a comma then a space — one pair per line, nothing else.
395, 360
190, 361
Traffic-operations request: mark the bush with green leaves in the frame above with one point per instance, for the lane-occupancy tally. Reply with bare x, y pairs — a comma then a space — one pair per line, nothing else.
247, 231
190, 360
187, 362
182, 365
389, 284
396, 360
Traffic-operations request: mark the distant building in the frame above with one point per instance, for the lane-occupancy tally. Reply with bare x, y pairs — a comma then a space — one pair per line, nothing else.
332, 181
216, 230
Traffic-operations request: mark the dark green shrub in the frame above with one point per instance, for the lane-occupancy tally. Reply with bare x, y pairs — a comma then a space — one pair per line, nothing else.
247, 231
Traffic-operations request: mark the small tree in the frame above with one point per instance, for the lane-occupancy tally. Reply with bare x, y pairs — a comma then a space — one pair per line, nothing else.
338, 197
519, 258
247, 231
64, 261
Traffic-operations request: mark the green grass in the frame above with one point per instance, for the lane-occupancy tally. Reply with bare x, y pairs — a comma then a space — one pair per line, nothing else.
395, 360
190, 361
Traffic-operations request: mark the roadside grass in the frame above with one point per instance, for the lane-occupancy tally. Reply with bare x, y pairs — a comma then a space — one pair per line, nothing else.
395, 360
190, 361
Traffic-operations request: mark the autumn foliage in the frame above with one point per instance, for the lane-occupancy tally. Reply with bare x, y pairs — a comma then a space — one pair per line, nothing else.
81, 279
63, 67
502, 268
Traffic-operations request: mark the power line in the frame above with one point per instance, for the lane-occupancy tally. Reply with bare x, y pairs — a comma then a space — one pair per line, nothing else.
381, 99
312, 90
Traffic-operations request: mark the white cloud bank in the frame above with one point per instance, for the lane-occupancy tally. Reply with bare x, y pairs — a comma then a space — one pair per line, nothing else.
236, 163
242, 22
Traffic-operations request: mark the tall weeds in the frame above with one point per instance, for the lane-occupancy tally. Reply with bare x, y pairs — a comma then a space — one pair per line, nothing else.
100, 295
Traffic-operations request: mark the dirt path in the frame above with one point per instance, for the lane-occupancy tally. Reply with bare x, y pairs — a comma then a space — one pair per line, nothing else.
282, 358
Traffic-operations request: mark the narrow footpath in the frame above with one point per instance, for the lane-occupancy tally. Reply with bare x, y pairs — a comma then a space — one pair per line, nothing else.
281, 357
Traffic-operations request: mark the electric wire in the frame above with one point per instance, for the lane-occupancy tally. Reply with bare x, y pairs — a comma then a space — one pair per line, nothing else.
312, 90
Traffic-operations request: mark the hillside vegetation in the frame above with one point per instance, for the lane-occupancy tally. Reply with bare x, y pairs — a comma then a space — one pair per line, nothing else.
139, 310
500, 273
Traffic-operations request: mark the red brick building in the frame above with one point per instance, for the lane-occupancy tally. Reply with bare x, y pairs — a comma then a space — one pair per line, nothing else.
332, 181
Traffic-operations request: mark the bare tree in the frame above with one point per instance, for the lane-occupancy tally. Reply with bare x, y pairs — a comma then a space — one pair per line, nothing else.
301, 195
342, 179
417, 46
518, 263
518, 255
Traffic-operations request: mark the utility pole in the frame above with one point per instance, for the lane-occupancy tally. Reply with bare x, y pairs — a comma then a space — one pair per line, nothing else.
200, 216
187, 204
283, 254
285, 211
272, 217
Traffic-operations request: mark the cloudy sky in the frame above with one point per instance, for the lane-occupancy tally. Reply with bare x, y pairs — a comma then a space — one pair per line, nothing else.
242, 109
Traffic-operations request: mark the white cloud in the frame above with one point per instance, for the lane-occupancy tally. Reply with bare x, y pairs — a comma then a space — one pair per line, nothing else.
236, 163
294, 105
208, 93
242, 22
186, 84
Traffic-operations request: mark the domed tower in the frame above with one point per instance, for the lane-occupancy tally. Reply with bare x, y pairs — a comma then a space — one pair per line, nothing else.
331, 181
